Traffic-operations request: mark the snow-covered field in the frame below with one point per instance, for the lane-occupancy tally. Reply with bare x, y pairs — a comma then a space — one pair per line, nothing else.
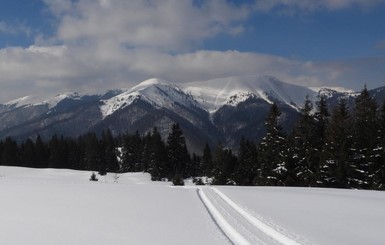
46, 206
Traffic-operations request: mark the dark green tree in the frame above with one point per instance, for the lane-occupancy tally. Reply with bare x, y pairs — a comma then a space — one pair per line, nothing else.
132, 153
41, 153
178, 156
272, 151
92, 156
303, 153
379, 177
58, 152
225, 163
247, 168
109, 150
27, 154
337, 145
322, 118
10, 153
207, 161
365, 141
158, 156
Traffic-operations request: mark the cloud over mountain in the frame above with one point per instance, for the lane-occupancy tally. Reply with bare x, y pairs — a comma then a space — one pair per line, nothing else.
105, 44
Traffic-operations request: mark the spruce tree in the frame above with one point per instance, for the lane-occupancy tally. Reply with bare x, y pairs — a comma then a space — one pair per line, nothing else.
109, 150
380, 164
225, 162
27, 154
337, 145
365, 140
247, 168
303, 153
178, 156
92, 158
207, 162
41, 153
10, 153
321, 124
158, 156
272, 152
132, 153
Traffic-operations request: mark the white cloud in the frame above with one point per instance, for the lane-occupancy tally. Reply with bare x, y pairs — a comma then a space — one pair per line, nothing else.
14, 29
105, 44
313, 5
170, 25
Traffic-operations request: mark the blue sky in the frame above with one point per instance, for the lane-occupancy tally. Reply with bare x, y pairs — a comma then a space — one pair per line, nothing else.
89, 45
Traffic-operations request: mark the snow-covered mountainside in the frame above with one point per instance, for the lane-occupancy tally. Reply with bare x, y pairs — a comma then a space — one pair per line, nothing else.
215, 93
31, 100
218, 110
157, 92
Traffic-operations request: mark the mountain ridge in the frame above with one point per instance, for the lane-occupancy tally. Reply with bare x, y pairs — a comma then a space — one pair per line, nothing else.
218, 110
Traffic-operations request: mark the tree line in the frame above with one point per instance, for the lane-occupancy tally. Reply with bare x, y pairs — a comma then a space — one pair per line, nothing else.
341, 148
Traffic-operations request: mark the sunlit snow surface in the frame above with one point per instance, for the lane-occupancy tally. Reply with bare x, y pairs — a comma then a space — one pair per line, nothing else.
215, 93
45, 206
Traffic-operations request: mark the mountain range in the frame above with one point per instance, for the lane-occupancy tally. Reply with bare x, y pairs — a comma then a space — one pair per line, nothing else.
215, 111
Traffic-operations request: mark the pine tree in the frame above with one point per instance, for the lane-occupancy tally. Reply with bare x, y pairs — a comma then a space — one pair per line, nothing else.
272, 155
365, 140
92, 158
41, 153
10, 153
380, 166
337, 145
1, 151
158, 156
247, 167
321, 124
177, 153
224, 165
132, 150
58, 152
303, 152
207, 161
27, 154
111, 161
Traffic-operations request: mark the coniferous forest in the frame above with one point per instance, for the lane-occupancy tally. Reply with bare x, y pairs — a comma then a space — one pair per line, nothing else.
341, 147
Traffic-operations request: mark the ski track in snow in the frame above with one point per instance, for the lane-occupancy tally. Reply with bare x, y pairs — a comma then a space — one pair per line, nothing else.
236, 223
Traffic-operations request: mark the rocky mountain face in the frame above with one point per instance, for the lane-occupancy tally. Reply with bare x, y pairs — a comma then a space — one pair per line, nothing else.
215, 111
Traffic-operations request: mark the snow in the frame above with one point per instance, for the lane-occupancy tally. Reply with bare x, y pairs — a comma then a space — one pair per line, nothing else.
48, 206
257, 223
23, 101
157, 92
215, 93
52, 102
31, 100
317, 216
335, 89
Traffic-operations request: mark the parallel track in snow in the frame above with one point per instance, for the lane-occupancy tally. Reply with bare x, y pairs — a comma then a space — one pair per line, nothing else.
236, 223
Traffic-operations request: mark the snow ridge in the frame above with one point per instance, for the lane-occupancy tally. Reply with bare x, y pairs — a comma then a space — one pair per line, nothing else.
232, 234
279, 237
159, 93
215, 93
31, 100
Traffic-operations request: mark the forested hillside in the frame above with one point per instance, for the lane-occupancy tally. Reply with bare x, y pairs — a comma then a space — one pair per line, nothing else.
341, 148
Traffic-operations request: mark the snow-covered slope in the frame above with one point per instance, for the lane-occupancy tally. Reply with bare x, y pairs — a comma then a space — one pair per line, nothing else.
48, 206
31, 100
215, 93
157, 92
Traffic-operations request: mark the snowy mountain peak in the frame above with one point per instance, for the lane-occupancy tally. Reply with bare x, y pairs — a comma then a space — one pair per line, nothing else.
23, 101
157, 92
52, 102
150, 82
215, 93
